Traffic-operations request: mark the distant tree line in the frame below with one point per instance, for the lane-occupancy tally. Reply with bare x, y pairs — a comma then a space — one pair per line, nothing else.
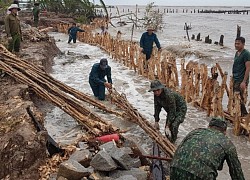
81, 9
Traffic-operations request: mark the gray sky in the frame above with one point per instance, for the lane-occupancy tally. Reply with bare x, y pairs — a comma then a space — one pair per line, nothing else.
180, 2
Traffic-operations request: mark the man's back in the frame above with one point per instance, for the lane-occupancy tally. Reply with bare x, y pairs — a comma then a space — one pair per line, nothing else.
203, 152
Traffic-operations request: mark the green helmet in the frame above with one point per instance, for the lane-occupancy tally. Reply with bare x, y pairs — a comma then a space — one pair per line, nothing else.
155, 84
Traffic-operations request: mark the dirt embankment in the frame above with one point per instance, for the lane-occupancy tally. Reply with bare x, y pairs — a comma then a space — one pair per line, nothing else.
22, 148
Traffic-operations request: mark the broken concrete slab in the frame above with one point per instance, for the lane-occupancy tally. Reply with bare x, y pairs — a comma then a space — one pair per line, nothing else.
72, 170
102, 161
109, 147
122, 158
127, 177
83, 156
136, 172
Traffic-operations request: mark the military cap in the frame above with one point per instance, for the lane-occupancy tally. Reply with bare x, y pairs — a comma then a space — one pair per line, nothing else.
218, 122
155, 84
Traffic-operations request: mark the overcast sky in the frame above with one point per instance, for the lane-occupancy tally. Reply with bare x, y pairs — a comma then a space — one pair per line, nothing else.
180, 2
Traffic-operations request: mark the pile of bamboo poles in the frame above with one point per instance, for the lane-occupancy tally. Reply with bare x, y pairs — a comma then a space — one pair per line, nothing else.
197, 86
57, 93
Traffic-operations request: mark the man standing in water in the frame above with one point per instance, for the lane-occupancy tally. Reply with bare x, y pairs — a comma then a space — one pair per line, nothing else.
72, 31
13, 28
203, 151
241, 69
97, 79
173, 103
147, 40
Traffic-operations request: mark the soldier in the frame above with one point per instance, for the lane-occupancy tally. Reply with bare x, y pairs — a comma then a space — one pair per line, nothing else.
97, 79
203, 152
36, 12
173, 103
13, 28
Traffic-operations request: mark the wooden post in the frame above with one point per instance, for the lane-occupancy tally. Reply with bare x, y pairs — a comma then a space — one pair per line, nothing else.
238, 31
198, 37
187, 31
237, 114
221, 40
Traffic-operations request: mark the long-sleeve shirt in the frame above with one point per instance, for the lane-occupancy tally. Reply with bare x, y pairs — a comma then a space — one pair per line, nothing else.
73, 30
146, 41
12, 25
172, 102
97, 75
203, 152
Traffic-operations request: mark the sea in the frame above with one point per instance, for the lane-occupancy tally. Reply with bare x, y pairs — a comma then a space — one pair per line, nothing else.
72, 69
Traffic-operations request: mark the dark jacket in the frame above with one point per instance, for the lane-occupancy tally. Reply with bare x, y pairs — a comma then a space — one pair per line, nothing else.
73, 30
146, 42
97, 75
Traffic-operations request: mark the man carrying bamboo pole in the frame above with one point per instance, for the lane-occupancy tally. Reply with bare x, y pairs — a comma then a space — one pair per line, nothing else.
173, 103
241, 69
97, 79
203, 151
147, 40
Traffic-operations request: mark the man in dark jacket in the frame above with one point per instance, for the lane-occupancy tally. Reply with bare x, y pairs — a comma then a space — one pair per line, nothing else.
173, 103
203, 152
147, 40
72, 31
97, 79
13, 28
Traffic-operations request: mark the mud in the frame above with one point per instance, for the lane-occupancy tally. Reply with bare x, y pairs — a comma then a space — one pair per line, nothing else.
23, 149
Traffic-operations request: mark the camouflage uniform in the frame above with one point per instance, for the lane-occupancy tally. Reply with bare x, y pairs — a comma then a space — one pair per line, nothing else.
202, 153
176, 108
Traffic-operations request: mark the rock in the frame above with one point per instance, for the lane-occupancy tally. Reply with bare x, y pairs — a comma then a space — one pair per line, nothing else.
122, 158
99, 176
82, 156
136, 172
83, 145
136, 163
61, 178
72, 170
109, 147
86, 56
102, 161
126, 177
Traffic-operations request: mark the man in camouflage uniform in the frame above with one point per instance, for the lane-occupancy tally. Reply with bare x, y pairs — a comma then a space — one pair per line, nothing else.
36, 12
13, 28
173, 103
203, 152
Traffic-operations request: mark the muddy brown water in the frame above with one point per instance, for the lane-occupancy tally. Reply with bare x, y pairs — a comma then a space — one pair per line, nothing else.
75, 74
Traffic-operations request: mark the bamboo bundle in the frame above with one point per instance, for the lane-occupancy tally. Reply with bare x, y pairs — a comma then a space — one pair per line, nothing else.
49, 91
121, 101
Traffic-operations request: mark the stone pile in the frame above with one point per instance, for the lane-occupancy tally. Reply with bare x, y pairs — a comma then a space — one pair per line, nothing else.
109, 163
